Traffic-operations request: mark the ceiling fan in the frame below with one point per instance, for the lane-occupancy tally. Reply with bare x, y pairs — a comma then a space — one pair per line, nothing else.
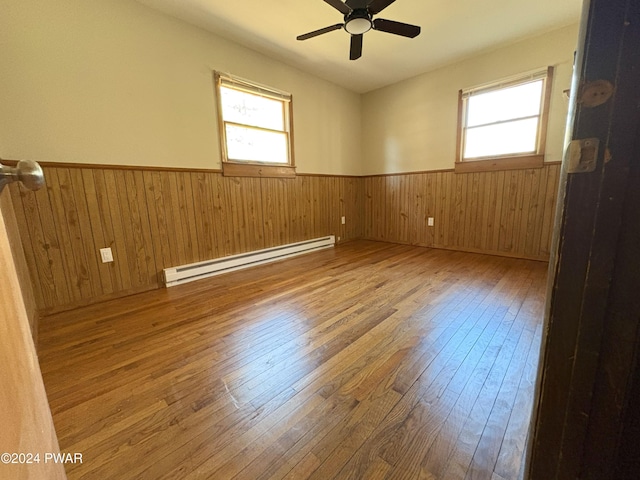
358, 20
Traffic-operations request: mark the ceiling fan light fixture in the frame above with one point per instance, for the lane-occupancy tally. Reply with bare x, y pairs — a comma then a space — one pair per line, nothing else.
358, 25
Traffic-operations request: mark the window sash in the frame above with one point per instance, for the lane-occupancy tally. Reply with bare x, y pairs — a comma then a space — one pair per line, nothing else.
246, 154
507, 82
515, 144
237, 83
276, 110
505, 103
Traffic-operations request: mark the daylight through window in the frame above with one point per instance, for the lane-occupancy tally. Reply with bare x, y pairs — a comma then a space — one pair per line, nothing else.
505, 119
255, 126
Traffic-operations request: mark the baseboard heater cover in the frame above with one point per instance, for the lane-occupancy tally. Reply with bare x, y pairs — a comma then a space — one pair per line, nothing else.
197, 271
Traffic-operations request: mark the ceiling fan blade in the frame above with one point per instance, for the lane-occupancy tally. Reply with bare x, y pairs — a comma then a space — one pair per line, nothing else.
341, 7
378, 5
356, 47
315, 33
397, 28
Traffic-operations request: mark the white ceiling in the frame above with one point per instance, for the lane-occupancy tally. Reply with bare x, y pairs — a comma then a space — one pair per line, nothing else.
451, 30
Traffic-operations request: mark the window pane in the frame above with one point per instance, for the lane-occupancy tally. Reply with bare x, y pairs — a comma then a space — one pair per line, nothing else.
250, 109
250, 144
501, 139
505, 104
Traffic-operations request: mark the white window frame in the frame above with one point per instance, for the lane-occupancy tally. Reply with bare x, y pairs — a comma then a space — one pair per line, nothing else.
533, 159
241, 167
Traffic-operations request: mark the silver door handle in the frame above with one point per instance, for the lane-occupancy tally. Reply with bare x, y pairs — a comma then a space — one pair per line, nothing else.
26, 171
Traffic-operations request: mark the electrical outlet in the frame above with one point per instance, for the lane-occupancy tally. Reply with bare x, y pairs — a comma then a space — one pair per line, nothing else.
106, 255
344, 220
430, 221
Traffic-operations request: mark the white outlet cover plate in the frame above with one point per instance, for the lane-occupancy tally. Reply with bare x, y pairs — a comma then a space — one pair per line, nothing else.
106, 255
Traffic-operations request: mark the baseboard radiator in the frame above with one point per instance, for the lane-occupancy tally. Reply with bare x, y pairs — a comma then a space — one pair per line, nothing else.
196, 271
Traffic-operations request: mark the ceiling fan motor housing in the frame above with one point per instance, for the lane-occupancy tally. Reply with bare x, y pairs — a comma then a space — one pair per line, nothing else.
357, 22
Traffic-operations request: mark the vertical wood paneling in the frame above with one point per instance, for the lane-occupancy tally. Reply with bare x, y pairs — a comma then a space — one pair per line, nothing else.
132, 221
170, 192
26, 241
203, 226
335, 203
488, 206
457, 225
190, 215
153, 194
534, 227
430, 185
103, 214
354, 199
119, 248
95, 224
179, 185
68, 220
529, 209
367, 203
52, 244
507, 219
219, 215
148, 253
497, 212
43, 272
332, 204
550, 209
158, 219
275, 211
247, 203
504, 212
475, 215
85, 234
380, 221
392, 210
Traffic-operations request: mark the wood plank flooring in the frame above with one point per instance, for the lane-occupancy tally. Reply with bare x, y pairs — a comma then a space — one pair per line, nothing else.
366, 361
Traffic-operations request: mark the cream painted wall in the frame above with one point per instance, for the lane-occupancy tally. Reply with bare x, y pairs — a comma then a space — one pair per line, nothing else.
411, 125
114, 82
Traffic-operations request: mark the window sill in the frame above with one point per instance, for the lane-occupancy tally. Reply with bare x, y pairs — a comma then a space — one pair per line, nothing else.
501, 163
252, 170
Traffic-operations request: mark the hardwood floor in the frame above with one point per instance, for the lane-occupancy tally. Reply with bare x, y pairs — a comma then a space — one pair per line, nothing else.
367, 361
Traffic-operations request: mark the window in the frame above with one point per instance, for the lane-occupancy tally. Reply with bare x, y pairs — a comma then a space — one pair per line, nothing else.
255, 128
503, 125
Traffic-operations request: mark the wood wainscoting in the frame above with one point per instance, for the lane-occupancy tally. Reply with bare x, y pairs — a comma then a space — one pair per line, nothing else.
508, 213
159, 218
154, 219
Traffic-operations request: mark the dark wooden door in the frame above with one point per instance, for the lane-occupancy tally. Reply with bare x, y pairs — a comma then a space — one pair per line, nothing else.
587, 417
